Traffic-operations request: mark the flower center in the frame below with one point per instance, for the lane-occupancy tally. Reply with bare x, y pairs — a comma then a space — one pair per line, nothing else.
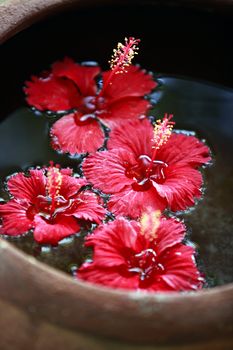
91, 108
49, 208
145, 264
145, 171
53, 203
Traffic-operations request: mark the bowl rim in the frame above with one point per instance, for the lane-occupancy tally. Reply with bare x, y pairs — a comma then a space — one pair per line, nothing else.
137, 294
128, 316
17, 15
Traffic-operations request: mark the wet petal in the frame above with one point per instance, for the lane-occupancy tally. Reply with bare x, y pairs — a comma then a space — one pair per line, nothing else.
71, 185
181, 271
133, 136
135, 83
181, 187
88, 207
14, 218
122, 110
82, 76
106, 171
107, 277
111, 240
133, 203
51, 93
68, 136
27, 187
169, 233
51, 233
185, 150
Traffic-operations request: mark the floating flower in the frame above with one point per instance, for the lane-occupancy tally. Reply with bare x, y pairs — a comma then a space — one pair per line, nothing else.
70, 86
148, 166
125, 257
50, 202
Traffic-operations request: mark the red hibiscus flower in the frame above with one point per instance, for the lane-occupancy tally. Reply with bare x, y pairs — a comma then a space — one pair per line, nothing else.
50, 202
72, 86
148, 167
125, 257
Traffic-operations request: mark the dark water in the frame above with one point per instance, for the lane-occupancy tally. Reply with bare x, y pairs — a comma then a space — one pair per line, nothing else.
197, 106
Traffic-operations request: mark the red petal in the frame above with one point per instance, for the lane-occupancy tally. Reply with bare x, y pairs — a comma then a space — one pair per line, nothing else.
71, 185
181, 186
108, 241
170, 232
107, 277
66, 171
110, 265
135, 83
133, 136
22, 187
106, 170
69, 137
181, 271
89, 207
52, 233
116, 242
122, 110
185, 150
54, 94
133, 203
82, 76
14, 218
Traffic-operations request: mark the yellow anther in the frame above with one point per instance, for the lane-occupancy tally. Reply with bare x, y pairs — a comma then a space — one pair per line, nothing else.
150, 222
122, 56
54, 182
162, 131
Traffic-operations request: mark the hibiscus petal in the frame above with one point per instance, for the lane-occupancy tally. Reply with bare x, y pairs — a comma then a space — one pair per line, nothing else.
51, 93
68, 136
133, 136
111, 240
169, 233
126, 109
185, 150
133, 203
107, 277
181, 271
181, 187
14, 218
116, 249
27, 187
89, 208
66, 171
82, 76
135, 83
51, 233
106, 171
71, 185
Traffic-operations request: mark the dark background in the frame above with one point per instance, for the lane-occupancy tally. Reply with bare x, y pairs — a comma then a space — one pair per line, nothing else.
178, 41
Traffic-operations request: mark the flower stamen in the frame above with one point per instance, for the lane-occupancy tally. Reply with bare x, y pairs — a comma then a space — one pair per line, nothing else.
162, 132
150, 221
121, 58
54, 182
